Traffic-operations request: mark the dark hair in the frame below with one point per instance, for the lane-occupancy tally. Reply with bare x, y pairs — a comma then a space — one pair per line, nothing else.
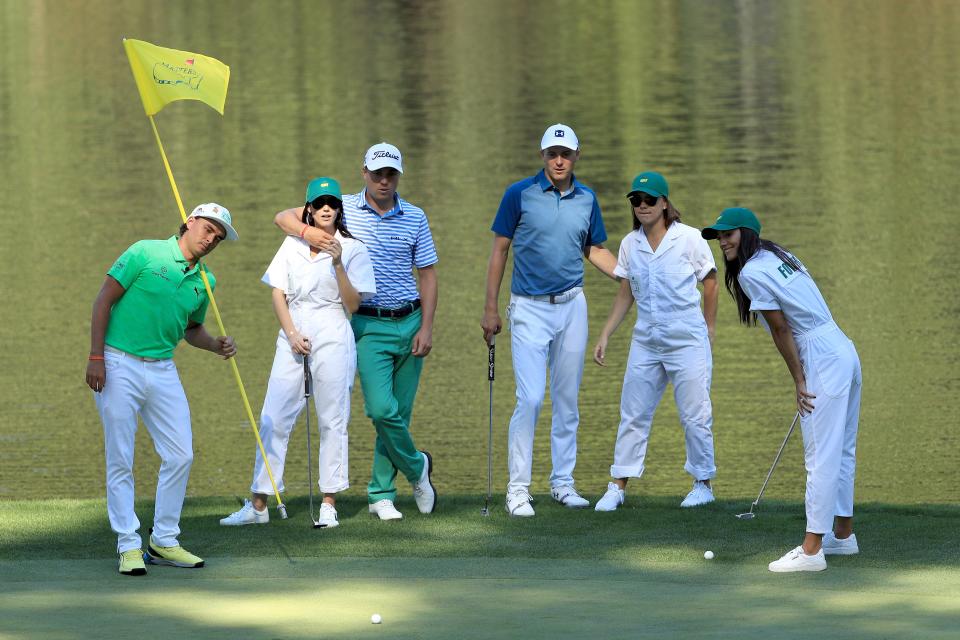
750, 244
307, 218
670, 214
183, 230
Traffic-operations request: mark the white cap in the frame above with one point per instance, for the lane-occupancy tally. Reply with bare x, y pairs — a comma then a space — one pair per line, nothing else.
383, 155
217, 213
559, 135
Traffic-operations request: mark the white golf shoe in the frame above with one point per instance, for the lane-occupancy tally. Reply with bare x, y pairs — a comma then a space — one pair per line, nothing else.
834, 546
246, 515
328, 516
612, 499
797, 560
423, 491
700, 494
568, 497
385, 510
518, 504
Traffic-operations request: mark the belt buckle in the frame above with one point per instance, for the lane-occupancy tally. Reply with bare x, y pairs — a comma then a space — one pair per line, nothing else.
553, 298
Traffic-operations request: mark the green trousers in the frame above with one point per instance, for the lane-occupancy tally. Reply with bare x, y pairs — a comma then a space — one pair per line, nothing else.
389, 375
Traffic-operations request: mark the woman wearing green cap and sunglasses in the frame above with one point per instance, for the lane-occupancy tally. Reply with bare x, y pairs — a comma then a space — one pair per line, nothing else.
313, 290
766, 279
659, 266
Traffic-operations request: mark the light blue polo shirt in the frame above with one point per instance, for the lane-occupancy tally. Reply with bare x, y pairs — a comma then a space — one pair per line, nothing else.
397, 242
549, 232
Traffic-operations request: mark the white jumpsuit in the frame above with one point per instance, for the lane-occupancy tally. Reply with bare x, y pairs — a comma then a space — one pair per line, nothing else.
317, 311
670, 342
832, 370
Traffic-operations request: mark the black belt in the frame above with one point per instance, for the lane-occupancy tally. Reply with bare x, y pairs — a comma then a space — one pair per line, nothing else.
399, 312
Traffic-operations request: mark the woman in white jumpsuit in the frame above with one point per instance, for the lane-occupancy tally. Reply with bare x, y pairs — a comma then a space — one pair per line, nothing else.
313, 290
766, 279
659, 265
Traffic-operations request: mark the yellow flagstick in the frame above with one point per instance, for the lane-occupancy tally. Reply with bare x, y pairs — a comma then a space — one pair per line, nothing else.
282, 508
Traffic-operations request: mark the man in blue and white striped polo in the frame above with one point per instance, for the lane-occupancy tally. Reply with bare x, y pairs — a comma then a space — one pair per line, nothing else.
553, 222
393, 329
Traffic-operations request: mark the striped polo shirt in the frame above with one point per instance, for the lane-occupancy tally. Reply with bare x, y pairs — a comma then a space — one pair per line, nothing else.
397, 241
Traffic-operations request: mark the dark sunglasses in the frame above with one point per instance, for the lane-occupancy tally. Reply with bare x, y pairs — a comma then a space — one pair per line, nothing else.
638, 197
319, 202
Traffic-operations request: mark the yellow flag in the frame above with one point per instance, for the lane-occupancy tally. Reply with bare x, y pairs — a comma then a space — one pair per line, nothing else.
165, 75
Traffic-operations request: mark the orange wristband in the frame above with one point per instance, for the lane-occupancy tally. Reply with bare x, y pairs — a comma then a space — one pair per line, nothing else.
303, 231
95, 358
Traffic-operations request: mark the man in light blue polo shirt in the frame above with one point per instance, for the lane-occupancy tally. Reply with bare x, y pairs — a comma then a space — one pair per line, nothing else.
394, 328
553, 222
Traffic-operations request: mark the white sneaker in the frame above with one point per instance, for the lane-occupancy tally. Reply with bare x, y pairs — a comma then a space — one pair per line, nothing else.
612, 499
423, 491
568, 497
700, 494
385, 510
246, 515
834, 546
328, 516
518, 504
797, 560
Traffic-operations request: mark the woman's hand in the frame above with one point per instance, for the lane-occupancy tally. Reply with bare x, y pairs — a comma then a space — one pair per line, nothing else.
803, 398
334, 249
299, 343
600, 351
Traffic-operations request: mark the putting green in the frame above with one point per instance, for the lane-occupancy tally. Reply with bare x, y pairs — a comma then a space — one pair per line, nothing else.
475, 598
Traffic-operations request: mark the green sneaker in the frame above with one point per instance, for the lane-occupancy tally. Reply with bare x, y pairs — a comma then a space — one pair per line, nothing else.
131, 563
175, 556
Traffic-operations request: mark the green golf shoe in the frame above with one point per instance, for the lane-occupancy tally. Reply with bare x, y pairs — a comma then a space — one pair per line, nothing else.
131, 563
175, 556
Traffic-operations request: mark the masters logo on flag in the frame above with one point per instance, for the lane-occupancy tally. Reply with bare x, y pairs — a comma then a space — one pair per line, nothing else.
165, 75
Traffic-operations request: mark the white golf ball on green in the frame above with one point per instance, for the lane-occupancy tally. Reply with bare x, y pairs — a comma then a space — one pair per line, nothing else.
708, 555
376, 619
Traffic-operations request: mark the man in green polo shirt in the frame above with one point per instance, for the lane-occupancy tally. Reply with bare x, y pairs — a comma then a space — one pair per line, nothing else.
153, 296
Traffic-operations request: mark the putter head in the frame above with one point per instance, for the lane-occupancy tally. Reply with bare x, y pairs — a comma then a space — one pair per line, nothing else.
282, 509
484, 511
750, 515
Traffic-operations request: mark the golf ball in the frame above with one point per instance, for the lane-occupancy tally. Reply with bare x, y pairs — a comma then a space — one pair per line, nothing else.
376, 619
708, 555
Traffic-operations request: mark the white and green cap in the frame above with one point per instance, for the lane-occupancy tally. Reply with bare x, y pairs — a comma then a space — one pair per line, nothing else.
219, 214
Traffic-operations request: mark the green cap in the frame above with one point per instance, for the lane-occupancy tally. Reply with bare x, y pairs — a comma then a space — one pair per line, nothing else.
323, 187
650, 182
732, 218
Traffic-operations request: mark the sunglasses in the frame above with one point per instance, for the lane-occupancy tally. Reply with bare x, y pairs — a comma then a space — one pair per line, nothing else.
639, 197
319, 202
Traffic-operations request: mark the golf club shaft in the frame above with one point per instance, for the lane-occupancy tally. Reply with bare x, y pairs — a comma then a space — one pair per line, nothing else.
491, 360
307, 389
776, 460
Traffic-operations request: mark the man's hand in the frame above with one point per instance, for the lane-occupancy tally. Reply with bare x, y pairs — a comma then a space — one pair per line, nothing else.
491, 324
422, 342
96, 375
225, 347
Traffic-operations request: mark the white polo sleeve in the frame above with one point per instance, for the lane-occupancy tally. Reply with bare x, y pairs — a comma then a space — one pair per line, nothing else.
758, 289
701, 257
278, 273
622, 270
359, 269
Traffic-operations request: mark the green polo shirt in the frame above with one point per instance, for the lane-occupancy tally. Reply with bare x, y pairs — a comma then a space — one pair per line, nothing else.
160, 299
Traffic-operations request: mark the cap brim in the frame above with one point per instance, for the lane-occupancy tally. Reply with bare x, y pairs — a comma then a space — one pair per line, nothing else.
375, 166
565, 145
229, 230
652, 192
711, 233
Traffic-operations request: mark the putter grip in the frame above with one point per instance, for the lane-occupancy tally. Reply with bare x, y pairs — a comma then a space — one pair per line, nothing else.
307, 377
491, 356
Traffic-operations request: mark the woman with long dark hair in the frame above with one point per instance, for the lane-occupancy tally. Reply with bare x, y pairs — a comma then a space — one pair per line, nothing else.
767, 280
313, 292
659, 266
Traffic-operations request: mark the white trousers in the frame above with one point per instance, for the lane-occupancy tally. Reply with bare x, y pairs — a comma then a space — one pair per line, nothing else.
153, 391
333, 364
554, 336
678, 351
832, 369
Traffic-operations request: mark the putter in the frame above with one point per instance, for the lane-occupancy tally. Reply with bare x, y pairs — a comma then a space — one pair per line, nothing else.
750, 515
491, 356
307, 387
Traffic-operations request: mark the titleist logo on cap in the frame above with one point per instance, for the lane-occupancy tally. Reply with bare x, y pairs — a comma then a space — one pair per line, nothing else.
385, 154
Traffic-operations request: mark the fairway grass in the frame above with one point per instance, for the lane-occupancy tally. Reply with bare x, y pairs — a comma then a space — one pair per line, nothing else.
638, 572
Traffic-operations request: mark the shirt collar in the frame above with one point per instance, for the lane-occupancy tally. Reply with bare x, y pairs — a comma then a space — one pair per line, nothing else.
673, 232
546, 185
396, 210
173, 242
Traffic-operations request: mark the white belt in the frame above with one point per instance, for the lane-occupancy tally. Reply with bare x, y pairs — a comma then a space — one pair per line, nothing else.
555, 298
109, 349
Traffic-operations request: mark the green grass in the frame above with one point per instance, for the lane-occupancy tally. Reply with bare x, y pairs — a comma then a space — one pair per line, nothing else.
638, 572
